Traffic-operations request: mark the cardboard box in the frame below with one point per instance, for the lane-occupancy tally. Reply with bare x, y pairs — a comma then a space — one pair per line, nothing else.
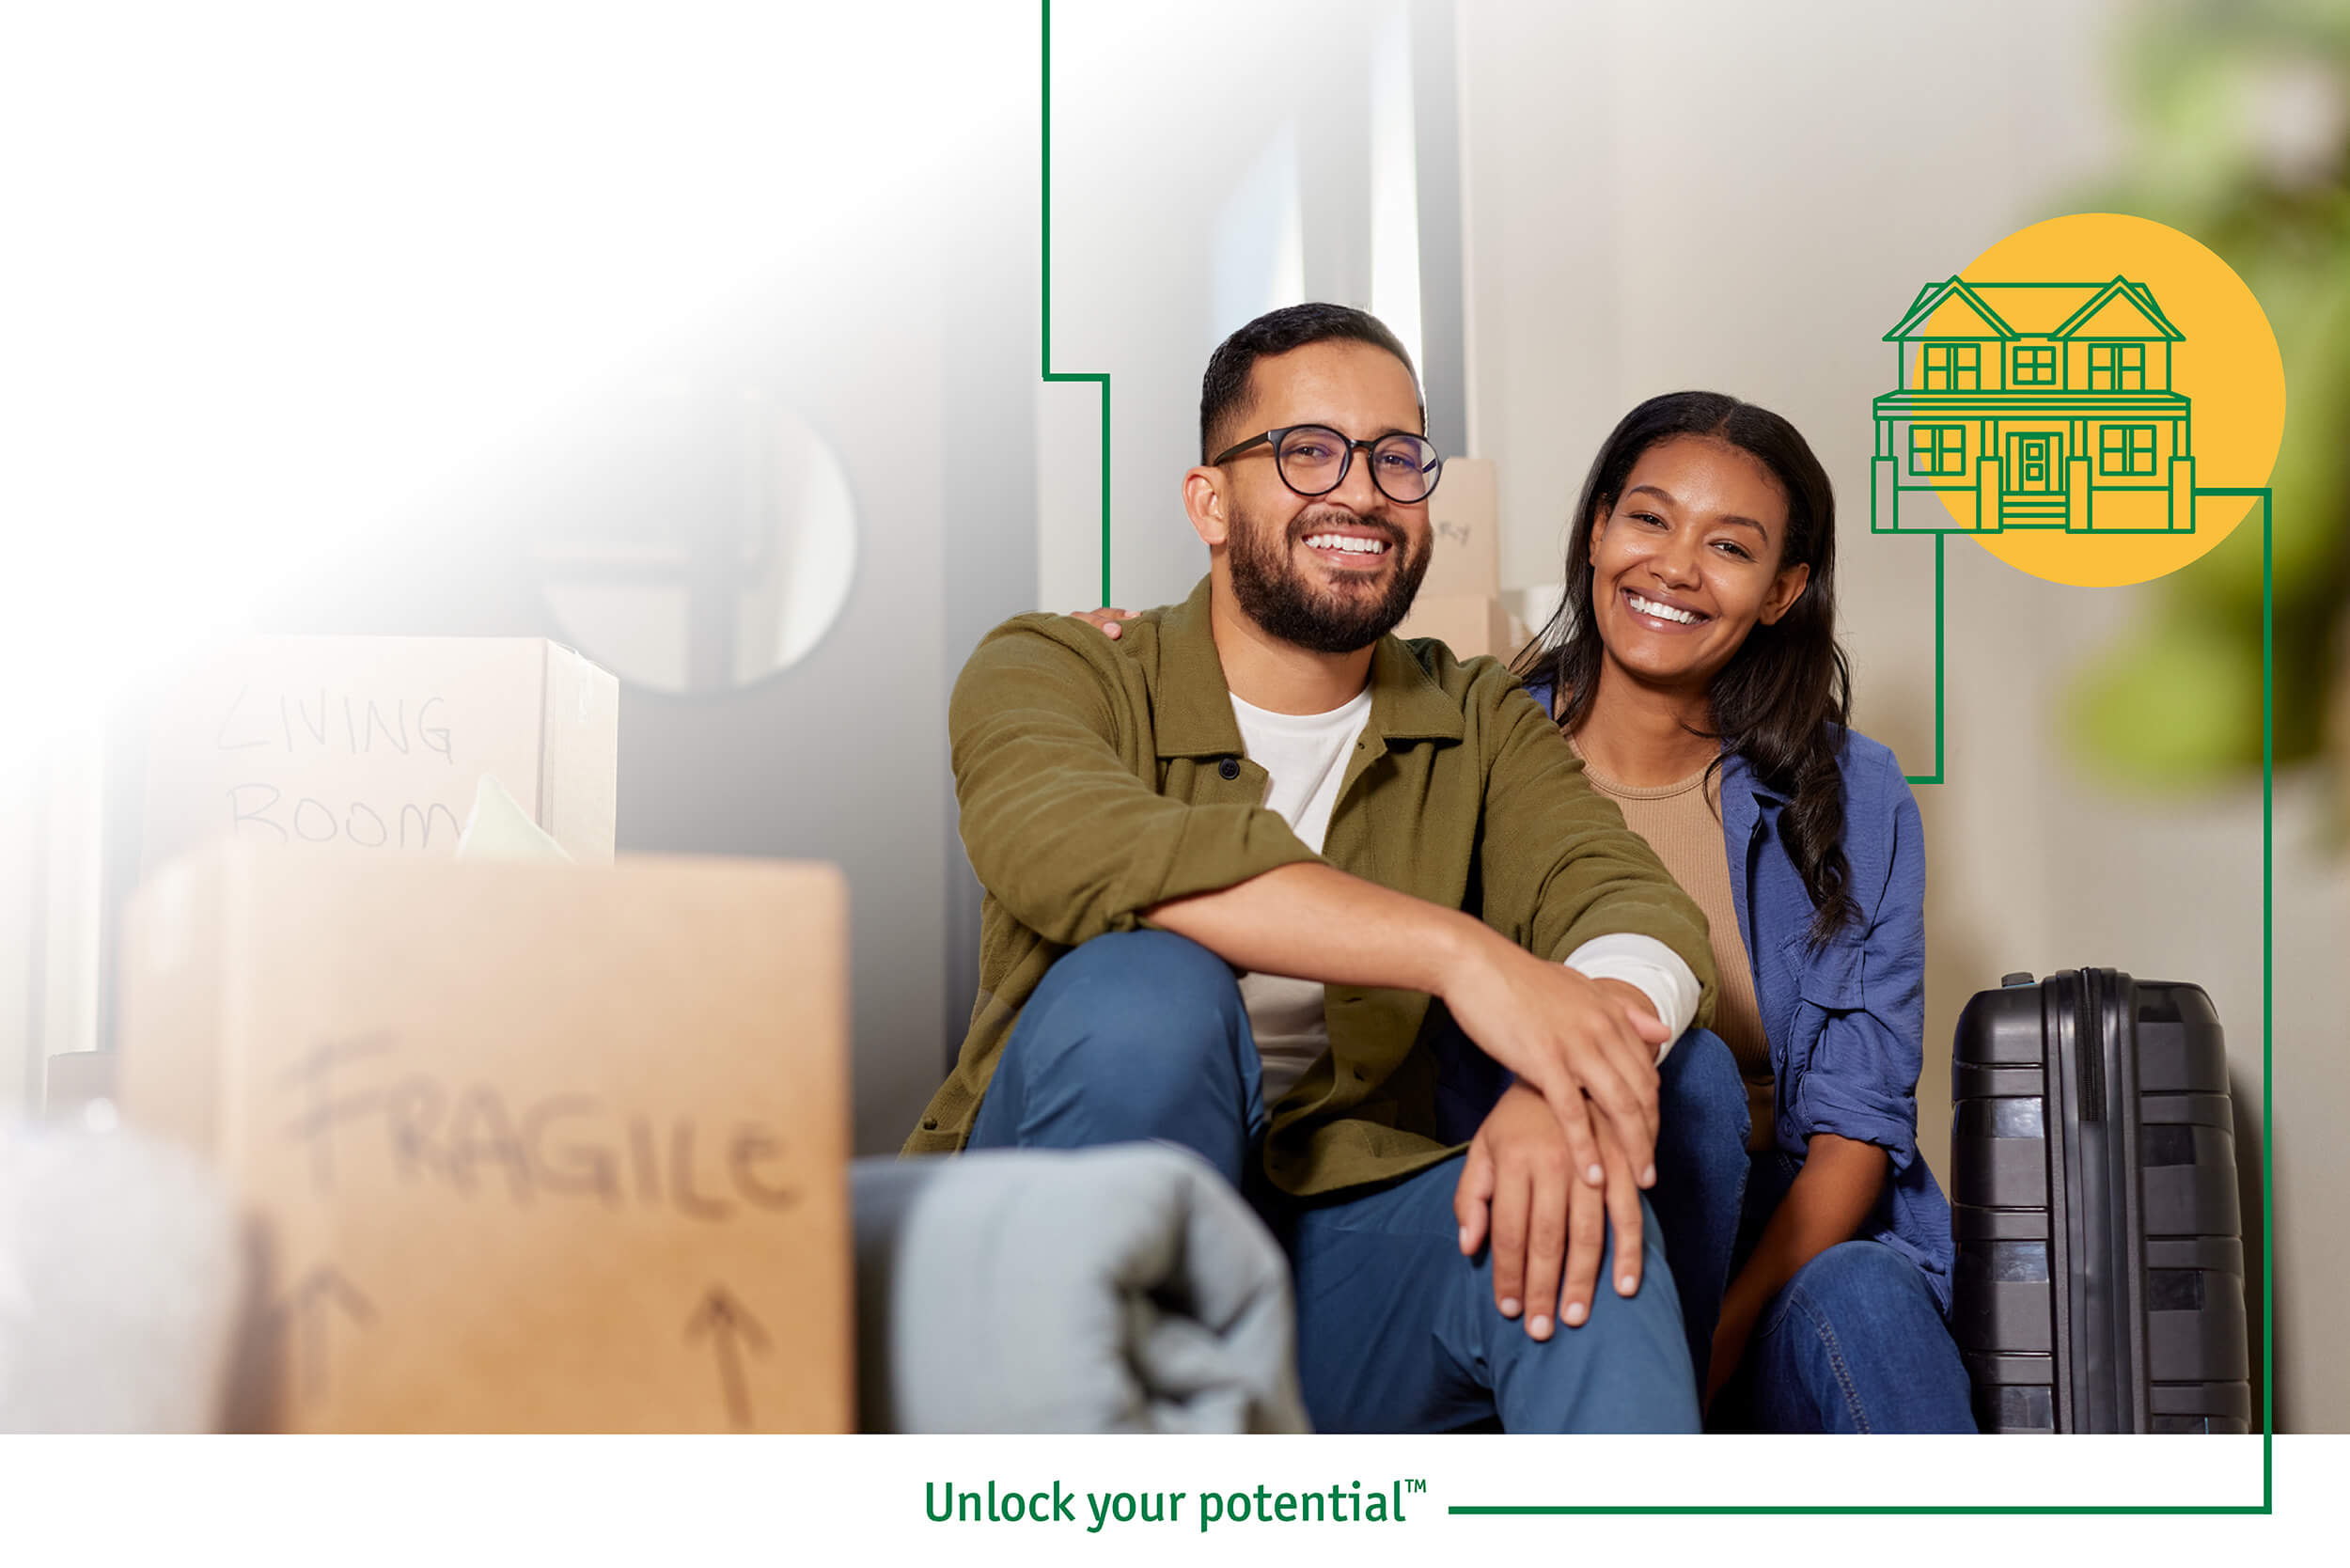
1472, 625
1465, 514
525, 1146
379, 744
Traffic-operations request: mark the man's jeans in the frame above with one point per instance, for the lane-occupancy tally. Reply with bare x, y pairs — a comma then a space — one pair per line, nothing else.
1701, 1158
1142, 1035
1854, 1342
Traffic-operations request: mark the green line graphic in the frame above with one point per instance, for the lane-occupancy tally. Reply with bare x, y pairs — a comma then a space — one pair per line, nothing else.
1871, 1508
1050, 374
2268, 974
1935, 776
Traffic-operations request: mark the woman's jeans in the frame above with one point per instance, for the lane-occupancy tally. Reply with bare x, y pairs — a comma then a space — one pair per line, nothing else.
1142, 1035
1854, 1342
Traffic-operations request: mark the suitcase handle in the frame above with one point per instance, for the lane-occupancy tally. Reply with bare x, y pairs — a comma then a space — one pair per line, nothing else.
2096, 1157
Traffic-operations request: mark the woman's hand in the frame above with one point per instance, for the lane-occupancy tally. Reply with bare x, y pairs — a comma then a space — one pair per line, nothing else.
1548, 1231
1731, 1333
1106, 619
1829, 1200
1568, 1037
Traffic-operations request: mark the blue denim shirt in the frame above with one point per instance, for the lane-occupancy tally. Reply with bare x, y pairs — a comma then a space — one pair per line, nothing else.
1846, 1023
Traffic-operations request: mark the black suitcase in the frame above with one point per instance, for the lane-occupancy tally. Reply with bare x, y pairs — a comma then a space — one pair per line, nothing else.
2100, 1276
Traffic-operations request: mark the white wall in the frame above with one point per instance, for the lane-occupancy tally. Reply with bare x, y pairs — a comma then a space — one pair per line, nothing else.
51, 894
1671, 195
837, 205
20, 883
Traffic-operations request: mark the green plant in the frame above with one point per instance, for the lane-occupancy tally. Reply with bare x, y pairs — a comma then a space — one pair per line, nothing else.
2242, 114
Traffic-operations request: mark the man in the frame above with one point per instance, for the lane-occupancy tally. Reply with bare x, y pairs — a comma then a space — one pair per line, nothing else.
1399, 855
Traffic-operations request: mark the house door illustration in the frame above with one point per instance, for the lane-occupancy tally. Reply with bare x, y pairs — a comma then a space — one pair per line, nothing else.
2035, 465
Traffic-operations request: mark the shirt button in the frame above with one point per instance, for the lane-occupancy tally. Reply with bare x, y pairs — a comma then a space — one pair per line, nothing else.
1229, 768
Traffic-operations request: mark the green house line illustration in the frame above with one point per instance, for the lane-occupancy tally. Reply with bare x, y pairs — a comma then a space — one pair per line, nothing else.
2033, 405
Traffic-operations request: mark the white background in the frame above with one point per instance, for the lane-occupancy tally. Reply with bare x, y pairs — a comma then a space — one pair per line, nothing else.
669, 1500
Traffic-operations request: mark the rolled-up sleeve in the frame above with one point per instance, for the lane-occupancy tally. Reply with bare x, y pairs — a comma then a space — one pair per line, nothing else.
1859, 1079
1557, 864
1059, 812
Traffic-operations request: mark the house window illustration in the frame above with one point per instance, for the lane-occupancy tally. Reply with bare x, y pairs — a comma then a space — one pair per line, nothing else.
2067, 422
2117, 367
1937, 449
2127, 449
1953, 367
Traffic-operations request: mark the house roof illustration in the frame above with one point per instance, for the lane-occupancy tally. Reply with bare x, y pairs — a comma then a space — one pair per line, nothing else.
1956, 308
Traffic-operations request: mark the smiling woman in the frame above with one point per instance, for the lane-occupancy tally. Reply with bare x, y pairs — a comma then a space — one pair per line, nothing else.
1682, 558
1694, 665
1716, 510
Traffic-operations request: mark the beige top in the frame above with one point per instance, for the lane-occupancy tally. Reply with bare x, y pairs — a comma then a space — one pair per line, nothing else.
1683, 823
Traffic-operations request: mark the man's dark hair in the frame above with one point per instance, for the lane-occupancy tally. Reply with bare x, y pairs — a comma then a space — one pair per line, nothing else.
1224, 390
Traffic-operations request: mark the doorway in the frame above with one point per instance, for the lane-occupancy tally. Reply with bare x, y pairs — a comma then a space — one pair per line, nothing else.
2033, 493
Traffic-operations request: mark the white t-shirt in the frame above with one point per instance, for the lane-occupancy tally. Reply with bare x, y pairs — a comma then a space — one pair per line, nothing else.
1303, 756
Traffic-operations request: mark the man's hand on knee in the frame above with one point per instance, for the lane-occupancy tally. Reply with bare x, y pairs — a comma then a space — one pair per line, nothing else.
1519, 1194
1582, 1044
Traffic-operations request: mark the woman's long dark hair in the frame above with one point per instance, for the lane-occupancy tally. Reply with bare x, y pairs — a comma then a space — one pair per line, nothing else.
1784, 700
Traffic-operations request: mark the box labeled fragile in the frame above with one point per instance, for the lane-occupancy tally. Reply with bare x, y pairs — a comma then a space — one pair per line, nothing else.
525, 1146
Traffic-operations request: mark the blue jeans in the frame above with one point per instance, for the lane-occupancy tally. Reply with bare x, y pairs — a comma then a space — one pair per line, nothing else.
1700, 1157
1142, 1035
1854, 1342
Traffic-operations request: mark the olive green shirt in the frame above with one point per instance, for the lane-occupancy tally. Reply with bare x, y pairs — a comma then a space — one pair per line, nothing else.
1091, 778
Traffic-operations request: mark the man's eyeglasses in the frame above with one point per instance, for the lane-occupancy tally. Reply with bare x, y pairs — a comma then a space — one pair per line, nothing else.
1312, 460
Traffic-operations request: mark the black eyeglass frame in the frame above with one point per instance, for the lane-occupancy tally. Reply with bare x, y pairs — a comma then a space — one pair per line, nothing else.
1275, 437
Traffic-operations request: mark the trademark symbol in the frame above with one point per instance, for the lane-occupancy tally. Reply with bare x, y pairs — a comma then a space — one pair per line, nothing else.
1419, 1486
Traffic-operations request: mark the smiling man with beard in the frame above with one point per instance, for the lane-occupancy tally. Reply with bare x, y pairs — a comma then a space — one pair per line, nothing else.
1267, 881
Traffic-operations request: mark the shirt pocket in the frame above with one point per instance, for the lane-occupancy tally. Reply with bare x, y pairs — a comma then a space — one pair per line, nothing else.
1828, 978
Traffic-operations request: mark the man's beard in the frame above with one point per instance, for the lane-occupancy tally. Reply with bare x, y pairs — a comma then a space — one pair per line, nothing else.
1274, 594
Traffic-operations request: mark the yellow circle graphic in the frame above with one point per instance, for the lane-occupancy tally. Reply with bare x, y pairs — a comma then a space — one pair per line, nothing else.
2072, 398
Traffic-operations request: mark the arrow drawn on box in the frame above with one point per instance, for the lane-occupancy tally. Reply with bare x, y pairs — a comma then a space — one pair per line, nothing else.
727, 1325
322, 1289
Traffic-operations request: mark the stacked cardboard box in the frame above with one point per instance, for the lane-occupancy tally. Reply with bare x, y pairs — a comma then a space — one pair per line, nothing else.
367, 745
526, 1147
1459, 599
379, 744
523, 1147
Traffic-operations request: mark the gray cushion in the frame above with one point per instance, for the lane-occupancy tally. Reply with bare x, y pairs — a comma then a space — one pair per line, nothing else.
1122, 1289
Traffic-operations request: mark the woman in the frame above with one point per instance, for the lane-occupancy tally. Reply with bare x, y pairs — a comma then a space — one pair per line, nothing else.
1693, 665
